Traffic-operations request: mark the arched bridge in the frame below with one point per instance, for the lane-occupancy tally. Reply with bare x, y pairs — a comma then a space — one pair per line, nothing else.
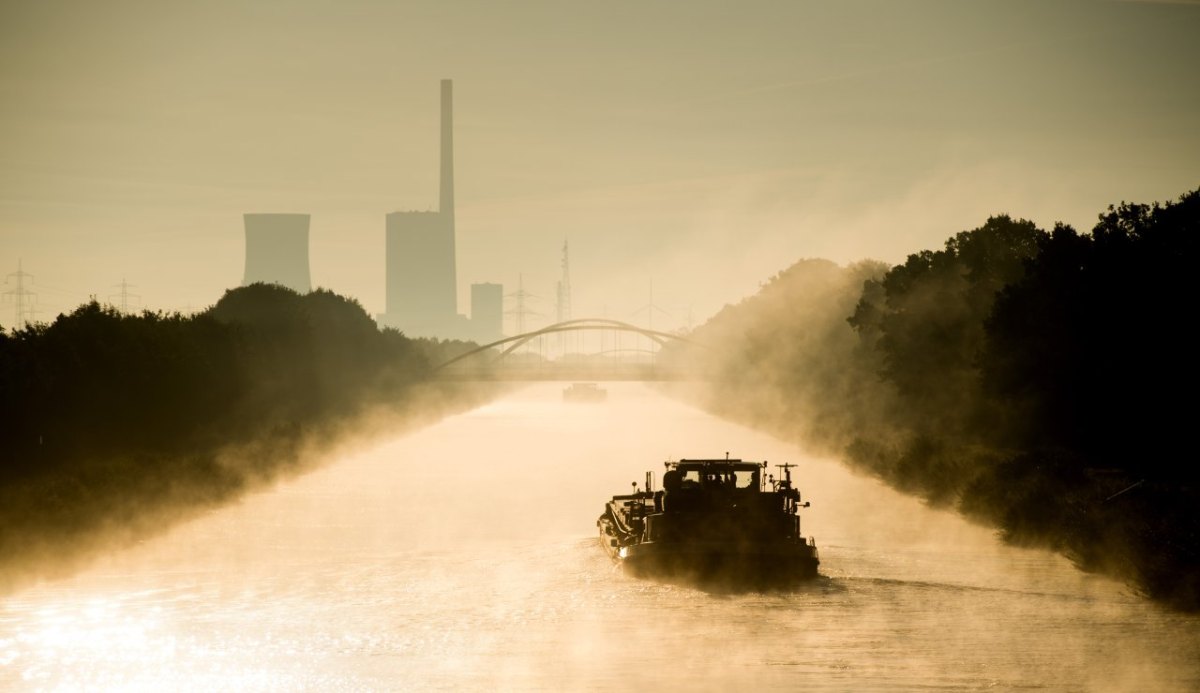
500, 359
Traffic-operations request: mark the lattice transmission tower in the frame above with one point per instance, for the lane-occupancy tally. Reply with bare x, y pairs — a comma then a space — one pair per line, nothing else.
22, 298
563, 300
124, 294
521, 311
563, 307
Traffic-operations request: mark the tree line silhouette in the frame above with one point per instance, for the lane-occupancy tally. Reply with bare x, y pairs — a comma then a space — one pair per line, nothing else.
1040, 381
112, 419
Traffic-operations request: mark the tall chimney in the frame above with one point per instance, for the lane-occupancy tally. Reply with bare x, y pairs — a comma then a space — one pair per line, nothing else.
447, 189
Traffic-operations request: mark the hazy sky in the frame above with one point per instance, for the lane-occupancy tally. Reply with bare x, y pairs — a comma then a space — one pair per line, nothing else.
703, 146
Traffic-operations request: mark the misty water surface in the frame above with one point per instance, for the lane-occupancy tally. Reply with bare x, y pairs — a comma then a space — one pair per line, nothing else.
463, 556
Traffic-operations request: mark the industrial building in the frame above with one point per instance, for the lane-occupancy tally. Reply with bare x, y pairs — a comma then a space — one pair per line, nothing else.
422, 293
421, 275
421, 279
487, 312
277, 250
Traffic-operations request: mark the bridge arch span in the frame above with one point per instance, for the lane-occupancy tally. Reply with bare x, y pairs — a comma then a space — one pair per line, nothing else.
576, 325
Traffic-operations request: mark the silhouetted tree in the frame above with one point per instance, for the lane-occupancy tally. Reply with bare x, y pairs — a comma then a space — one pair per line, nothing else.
1033, 378
926, 319
108, 416
1089, 345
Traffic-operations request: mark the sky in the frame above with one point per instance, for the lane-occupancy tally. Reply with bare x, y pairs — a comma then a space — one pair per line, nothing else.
686, 151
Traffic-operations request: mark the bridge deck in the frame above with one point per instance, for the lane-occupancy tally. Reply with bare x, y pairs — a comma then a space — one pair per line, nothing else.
566, 374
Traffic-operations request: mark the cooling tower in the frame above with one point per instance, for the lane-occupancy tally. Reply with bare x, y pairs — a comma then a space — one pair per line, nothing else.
277, 250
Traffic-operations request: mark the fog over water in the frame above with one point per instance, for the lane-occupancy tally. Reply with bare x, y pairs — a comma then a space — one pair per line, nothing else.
463, 556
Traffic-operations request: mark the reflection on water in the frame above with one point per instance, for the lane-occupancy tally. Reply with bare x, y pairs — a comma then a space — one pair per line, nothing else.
462, 556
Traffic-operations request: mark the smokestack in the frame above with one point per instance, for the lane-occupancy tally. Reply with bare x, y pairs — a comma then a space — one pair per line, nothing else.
447, 189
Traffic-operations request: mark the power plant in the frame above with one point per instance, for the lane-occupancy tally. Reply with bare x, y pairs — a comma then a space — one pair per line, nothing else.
420, 260
487, 312
422, 289
277, 250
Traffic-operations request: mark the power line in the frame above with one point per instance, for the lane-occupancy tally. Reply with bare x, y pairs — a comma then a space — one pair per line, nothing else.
124, 294
564, 287
22, 298
521, 310
563, 302
650, 308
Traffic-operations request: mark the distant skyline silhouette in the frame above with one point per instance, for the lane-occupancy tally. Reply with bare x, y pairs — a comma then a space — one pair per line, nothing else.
701, 147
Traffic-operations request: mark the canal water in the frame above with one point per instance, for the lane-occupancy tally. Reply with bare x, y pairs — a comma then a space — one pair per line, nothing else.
463, 556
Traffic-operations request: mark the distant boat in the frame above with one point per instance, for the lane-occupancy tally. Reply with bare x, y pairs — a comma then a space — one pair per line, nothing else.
584, 392
713, 521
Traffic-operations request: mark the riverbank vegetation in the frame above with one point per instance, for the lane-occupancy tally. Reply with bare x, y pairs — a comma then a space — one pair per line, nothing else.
1038, 380
115, 424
